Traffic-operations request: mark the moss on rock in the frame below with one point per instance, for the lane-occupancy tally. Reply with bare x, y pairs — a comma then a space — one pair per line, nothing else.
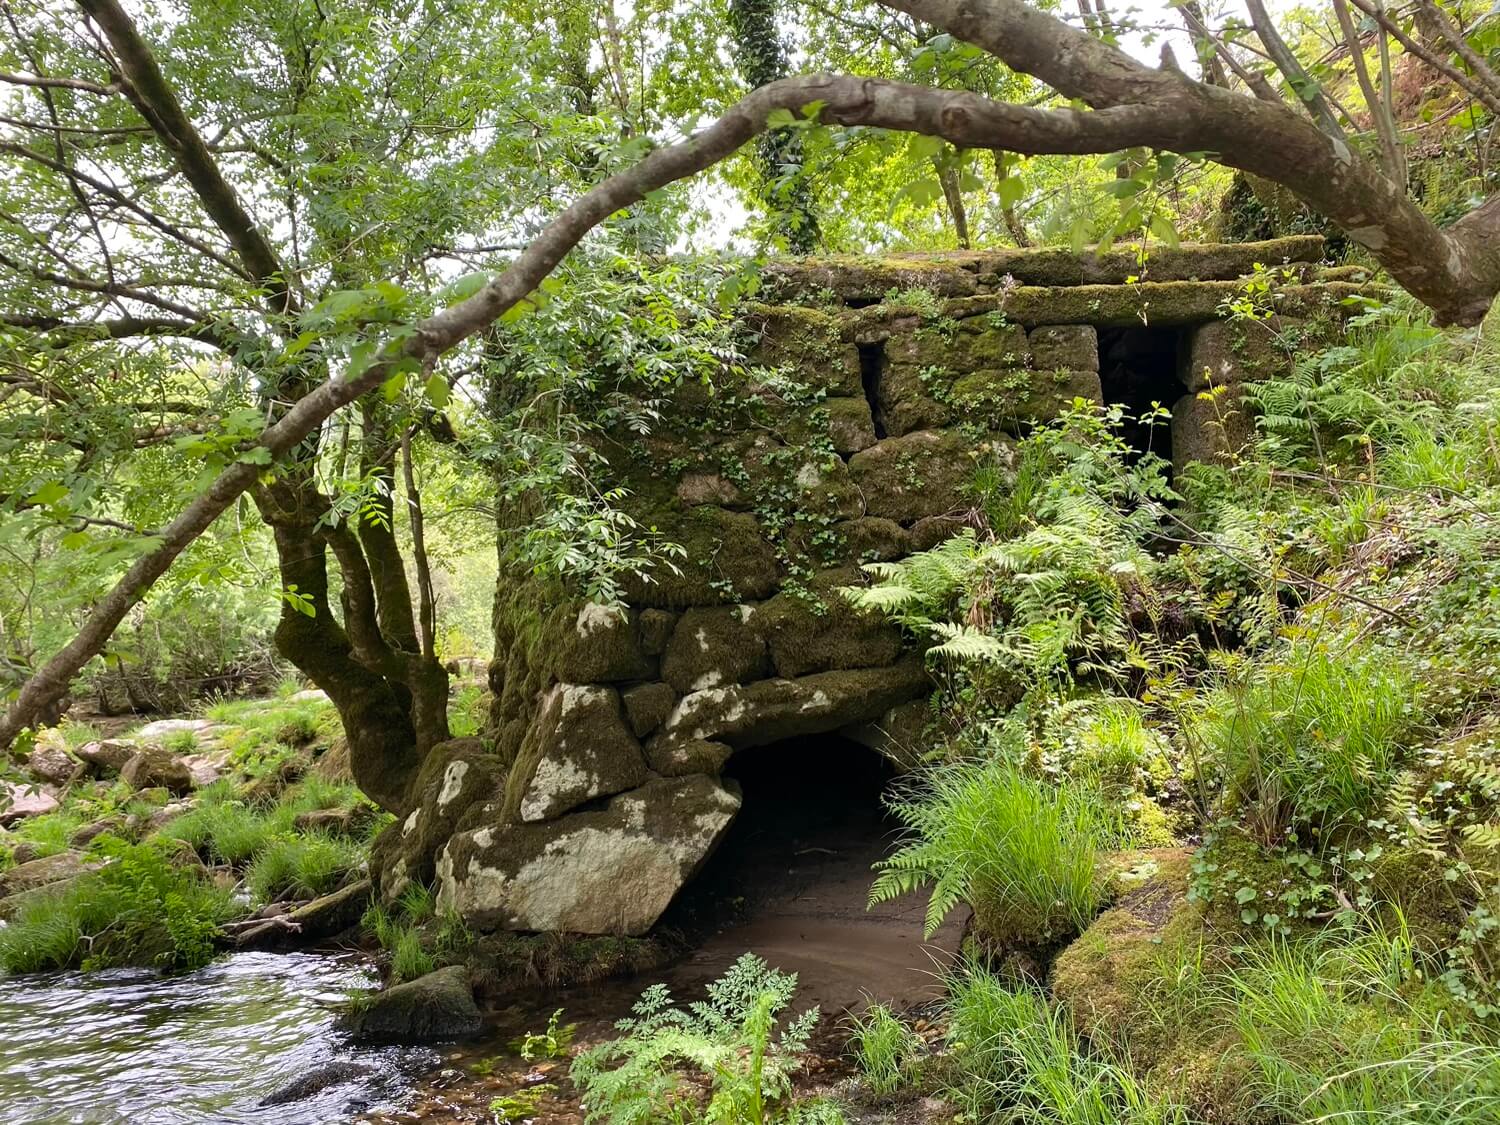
714, 646
919, 474
727, 559
810, 341
850, 425
577, 749
826, 633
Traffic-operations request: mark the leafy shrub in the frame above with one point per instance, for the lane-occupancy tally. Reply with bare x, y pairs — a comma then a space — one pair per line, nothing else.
729, 1037
139, 909
887, 1050
1024, 853
1018, 1059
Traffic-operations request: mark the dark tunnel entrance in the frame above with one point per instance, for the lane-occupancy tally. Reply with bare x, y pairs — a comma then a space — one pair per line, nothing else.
811, 825
1139, 367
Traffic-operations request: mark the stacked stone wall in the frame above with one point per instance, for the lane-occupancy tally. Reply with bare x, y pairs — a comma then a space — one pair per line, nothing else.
877, 388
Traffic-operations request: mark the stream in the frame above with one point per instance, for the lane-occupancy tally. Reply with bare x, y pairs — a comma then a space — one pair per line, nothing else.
789, 883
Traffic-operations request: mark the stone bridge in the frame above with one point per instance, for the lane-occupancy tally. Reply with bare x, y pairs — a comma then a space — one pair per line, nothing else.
879, 387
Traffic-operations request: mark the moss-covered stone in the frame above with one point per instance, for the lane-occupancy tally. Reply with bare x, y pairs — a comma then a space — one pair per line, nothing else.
903, 735
906, 401
612, 871
771, 710
1138, 979
454, 777
710, 647
809, 341
1211, 427
578, 748
647, 706
915, 475
826, 634
727, 560
826, 491
965, 345
709, 488
1064, 347
1013, 400
656, 627
873, 539
850, 425
593, 643
679, 759
862, 278
1240, 351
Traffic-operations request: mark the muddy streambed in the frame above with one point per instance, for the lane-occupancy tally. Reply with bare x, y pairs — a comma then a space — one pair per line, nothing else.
789, 883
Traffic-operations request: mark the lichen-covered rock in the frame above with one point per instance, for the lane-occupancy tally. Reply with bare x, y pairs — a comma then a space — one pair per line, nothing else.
728, 559
920, 474
439, 1005
825, 490
50, 762
808, 341
868, 278
647, 706
850, 425
721, 645
597, 644
18, 802
166, 728
612, 871
973, 344
579, 748
454, 777
1064, 347
771, 710
1240, 351
155, 766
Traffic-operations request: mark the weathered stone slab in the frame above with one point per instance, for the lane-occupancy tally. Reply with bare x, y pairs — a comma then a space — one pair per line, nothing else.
154, 766
1240, 351
437, 1006
1212, 429
106, 756
1065, 347
828, 634
597, 644
607, 872
728, 560
907, 402
51, 763
647, 706
810, 341
771, 710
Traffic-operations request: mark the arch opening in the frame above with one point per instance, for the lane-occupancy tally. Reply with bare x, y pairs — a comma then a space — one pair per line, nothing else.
811, 825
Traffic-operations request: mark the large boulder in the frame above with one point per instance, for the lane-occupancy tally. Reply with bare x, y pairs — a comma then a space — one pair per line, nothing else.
611, 871
154, 767
919, 474
51, 763
58, 868
439, 1005
709, 647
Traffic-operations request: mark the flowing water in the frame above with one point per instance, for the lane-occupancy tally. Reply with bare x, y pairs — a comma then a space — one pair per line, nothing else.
206, 1048
132, 1046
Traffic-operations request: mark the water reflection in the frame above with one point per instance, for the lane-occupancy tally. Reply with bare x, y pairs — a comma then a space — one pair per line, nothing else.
130, 1046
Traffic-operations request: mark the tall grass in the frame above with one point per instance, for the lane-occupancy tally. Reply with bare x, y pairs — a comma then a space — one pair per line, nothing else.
1311, 740
887, 1050
1341, 1032
1024, 853
1020, 1060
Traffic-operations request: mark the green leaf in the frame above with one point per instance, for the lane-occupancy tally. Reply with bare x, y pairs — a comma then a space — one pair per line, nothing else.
437, 391
1124, 189
1162, 227
53, 492
393, 386
780, 119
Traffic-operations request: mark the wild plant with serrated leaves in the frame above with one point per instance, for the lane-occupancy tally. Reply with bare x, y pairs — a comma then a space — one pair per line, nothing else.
730, 1037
